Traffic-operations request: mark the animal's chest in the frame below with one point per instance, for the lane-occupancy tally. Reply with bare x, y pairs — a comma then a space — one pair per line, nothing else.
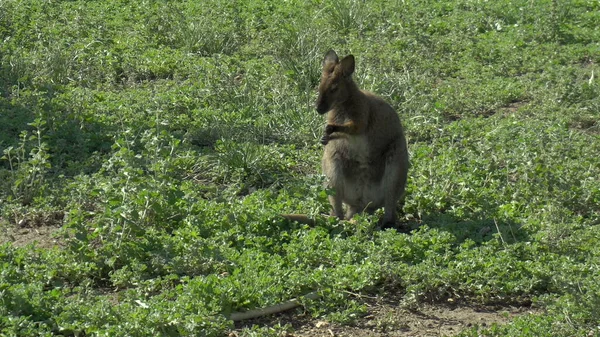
351, 158
353, 149
353, 172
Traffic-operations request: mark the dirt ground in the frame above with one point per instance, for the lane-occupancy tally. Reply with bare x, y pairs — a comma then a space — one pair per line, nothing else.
389, 320
38, 229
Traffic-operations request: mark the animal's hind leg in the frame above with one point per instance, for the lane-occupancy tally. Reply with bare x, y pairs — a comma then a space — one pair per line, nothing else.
335, 182
394, 183
336, 206
389, 216
351, 211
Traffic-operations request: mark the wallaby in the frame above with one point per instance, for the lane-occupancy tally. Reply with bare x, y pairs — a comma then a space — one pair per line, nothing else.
365, 158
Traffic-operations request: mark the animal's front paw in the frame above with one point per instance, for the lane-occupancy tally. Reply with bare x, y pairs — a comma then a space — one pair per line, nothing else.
329, 129
325, 139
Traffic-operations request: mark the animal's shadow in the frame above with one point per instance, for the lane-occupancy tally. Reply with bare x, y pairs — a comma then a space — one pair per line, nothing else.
478, 229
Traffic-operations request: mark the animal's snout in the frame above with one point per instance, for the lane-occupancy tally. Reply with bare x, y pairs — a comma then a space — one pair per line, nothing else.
321, 106
321, 109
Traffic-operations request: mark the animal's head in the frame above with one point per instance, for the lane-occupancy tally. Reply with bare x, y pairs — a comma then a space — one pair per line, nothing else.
336, 81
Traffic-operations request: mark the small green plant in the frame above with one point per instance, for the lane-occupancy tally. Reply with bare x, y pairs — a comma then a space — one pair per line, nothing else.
28, 164
348, 15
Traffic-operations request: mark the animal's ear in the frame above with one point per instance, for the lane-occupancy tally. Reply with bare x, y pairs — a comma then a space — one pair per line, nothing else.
347, 65
330, 58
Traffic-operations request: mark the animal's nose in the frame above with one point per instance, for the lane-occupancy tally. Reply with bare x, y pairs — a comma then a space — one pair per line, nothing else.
321, 107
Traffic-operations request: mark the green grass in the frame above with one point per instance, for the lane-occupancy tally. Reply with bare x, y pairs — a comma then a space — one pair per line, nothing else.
172, 134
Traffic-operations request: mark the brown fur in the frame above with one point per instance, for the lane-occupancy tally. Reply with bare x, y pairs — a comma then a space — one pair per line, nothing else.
365, 158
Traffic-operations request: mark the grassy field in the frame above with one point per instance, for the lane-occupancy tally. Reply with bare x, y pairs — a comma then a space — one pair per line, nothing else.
150, 146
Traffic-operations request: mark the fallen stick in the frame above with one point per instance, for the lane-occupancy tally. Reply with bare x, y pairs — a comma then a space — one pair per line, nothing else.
273, 309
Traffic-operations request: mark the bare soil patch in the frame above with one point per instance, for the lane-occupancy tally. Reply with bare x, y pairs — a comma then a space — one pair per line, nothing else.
510, 108
36, 228
588, 124
387, 319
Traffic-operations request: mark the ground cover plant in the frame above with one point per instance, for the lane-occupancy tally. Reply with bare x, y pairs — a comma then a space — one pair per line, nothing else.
153, 145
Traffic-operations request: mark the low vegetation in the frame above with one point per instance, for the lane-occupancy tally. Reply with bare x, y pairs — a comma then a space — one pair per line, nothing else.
159, 142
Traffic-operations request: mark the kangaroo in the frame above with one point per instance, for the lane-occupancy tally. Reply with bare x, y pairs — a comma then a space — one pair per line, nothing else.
365, 158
